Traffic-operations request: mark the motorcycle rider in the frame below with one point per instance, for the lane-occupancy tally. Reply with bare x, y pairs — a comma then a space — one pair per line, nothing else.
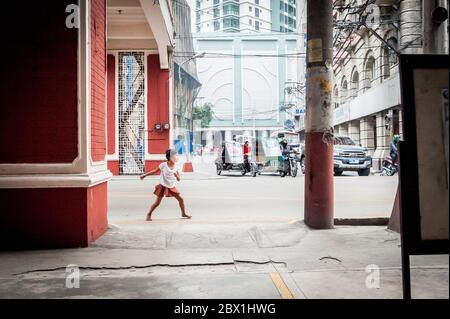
393, 152
284, 146
285, 150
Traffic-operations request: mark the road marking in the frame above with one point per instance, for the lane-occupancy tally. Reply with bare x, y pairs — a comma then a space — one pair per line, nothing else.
281, 286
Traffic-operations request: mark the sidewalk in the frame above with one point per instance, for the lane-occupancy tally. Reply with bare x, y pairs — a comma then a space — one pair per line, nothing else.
187, 260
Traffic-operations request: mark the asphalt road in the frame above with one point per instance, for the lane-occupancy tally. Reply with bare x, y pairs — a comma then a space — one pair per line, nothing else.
232, 197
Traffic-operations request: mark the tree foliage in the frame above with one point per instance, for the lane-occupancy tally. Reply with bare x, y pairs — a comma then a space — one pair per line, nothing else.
204, 113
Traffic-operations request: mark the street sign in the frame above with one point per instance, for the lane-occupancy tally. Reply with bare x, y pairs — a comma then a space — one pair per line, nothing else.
289, 125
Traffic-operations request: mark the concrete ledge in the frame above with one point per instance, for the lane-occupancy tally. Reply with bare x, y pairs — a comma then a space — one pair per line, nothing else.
373, 221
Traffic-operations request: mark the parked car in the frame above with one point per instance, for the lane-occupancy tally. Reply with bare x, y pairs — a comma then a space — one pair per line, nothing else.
348, 156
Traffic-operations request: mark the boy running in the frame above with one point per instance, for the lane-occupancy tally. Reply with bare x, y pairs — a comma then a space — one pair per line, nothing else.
166, 187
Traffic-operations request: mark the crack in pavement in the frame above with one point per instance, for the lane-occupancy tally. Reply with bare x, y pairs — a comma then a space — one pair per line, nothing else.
270, 261
332, 258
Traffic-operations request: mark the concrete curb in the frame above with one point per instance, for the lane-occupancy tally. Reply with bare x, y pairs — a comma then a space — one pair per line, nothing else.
373, 221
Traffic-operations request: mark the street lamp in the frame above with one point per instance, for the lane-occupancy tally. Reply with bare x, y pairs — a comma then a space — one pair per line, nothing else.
187, 166
198, 55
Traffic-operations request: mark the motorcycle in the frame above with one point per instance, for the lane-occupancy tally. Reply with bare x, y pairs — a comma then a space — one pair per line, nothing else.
289, 164
389, 168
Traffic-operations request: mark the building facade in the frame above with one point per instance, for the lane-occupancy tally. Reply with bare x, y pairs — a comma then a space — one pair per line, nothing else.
186, 83
366, 80
140, 85
245, 79
366, 89
87, 85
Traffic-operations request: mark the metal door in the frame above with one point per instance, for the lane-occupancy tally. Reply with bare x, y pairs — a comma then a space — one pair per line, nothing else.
131, 113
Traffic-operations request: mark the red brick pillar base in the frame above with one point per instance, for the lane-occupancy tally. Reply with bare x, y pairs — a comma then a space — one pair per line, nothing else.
52, 217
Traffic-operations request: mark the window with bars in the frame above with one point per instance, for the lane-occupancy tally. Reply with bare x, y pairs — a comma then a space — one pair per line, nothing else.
131, 113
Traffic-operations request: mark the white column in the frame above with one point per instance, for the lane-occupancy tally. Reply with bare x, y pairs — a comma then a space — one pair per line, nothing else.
228, 135
343, 129
367, 133
209, 139
264, 134
382, 141
353, 131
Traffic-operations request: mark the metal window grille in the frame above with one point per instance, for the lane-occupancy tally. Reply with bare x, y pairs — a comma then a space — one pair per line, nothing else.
131, 113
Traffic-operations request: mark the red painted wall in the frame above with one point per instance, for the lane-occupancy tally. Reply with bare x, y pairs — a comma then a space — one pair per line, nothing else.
98, 79
97, 208
113, 166
111, 111
52, 217
38, 76
149, 165
158, 105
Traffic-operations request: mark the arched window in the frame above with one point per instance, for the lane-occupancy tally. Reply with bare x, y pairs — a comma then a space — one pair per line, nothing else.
369, 70
336, 96
388, 57
393, 58
344, 90
354, 88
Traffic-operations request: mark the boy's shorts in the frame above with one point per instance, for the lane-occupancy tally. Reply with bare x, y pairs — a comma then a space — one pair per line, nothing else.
161, 191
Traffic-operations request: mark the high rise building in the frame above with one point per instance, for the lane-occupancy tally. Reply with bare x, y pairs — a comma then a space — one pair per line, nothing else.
243, 15
284, 15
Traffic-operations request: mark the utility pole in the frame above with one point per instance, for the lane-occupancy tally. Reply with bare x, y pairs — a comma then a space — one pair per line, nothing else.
319, 188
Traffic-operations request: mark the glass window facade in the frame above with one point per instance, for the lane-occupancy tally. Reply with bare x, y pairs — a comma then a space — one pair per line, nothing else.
231, 8
231, 23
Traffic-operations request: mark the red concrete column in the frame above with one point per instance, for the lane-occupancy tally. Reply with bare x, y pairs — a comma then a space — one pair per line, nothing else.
319, 188
53, 125
319, 116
